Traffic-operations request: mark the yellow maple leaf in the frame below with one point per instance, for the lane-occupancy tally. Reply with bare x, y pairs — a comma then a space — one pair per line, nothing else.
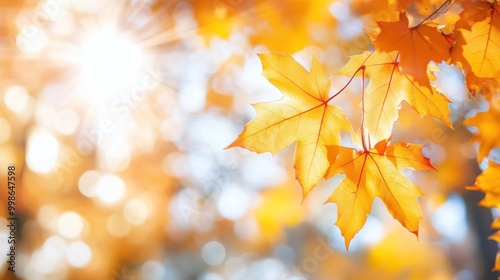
497, 263
477, 45
302, 115
489, 183
475, 84
417, 46
488, 134
387, 88
482, 47
376, 173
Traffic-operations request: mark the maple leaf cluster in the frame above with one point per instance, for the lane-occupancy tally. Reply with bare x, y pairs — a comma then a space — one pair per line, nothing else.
399, 69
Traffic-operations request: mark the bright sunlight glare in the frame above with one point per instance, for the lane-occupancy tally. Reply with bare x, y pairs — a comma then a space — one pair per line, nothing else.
109, 58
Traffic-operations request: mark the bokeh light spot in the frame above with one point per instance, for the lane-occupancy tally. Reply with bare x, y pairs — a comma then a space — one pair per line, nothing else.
16, 98
136, 211
87, 184
213, 253
233, 203
116, 158
110, 189
78, 254
43, 150
153, 270
70, 224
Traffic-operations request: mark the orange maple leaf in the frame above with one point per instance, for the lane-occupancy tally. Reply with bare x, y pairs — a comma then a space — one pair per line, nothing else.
417, 46
302, 115
376, 173
473, 11
387, 88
